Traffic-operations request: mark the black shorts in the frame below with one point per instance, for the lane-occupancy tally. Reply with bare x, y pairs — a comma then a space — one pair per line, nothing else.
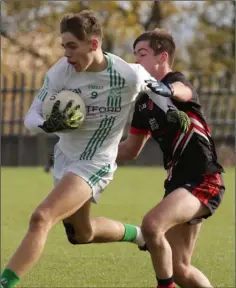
209, 189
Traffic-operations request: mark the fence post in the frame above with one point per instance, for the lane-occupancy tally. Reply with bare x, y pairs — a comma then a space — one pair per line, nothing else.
13, 104
20, 140
4, 102
22, 102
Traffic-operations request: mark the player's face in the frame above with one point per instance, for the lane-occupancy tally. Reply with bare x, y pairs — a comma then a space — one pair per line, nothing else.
80, 54
145, 56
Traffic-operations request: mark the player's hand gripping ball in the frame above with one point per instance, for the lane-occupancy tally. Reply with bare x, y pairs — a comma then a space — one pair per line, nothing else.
63, 112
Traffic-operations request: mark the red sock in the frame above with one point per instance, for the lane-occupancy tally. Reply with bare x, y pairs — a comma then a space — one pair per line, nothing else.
172, 285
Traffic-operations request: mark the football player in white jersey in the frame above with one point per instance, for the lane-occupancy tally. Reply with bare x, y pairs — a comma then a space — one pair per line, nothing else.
84, 159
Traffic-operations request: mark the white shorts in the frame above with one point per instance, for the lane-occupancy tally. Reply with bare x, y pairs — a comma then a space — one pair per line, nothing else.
97, 175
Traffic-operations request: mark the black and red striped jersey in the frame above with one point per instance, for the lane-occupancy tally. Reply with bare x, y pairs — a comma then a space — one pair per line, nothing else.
184, 154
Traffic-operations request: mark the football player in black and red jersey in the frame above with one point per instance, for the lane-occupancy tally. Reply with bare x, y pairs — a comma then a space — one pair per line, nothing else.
194, 187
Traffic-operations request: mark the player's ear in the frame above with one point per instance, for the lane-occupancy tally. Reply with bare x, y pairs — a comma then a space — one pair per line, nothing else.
164, 57
94, 44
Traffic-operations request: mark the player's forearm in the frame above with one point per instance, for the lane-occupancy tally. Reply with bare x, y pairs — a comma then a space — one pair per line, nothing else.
32, 121
181, 92
33, 118
124, 153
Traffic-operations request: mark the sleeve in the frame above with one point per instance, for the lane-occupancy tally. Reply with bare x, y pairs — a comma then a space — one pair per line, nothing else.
141, 75
139, 123
179, 77
34, 116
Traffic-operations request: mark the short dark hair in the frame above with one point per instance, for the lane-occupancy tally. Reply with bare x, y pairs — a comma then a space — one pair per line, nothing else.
82, 25
160, 40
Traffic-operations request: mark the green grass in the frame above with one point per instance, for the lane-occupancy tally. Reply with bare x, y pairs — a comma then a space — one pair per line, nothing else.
129, 196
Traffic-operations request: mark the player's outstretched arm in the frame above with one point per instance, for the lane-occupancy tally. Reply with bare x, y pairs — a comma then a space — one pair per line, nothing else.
181, 92
142, 79
176, 90
130, 148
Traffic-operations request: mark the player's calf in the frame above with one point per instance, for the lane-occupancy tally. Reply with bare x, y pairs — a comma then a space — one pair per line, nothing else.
187, 276
30, 249
130, 233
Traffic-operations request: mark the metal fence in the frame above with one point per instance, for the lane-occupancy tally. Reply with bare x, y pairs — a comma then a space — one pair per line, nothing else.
17, 94
217, 96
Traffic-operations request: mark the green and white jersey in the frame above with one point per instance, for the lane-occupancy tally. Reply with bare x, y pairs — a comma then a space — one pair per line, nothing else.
108, 96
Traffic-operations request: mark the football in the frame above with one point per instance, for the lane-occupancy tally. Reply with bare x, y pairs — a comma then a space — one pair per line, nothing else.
64, 97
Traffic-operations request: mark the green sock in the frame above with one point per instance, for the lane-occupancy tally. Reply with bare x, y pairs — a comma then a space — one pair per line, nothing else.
130, 233
9, 279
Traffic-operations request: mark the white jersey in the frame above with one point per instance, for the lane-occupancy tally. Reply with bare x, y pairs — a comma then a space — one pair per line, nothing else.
108, 96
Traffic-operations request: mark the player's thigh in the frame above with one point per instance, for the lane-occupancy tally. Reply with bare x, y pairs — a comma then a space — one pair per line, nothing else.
68, 196
180, 206
182, 239
97, 174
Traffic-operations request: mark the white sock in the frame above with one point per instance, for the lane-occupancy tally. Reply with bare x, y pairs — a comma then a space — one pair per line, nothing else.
139, 238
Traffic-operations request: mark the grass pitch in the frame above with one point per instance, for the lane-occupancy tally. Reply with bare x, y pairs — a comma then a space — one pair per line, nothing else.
128, 197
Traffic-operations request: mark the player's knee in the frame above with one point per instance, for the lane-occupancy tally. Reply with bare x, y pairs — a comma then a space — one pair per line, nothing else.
70, 233
75, 238
40, 220
85, 237
150, 229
